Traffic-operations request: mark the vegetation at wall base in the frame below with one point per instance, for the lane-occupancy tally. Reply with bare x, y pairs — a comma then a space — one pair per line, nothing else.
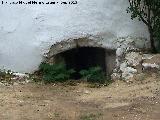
94, 75
55, 72
59, 73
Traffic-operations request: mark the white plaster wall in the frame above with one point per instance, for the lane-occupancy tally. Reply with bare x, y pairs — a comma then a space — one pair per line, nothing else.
27, 31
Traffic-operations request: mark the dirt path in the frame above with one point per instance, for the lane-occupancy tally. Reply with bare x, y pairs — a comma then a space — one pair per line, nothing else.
118, 101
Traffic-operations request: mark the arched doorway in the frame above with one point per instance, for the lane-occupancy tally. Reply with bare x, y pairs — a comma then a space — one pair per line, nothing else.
82, 53
82, 58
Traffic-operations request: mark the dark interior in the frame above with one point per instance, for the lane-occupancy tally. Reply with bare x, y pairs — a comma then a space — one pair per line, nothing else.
84, 58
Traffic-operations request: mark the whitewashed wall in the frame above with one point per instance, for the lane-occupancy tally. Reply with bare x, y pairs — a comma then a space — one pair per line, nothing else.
27, 31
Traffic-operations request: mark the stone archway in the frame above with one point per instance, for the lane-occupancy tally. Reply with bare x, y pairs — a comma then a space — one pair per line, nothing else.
81, 54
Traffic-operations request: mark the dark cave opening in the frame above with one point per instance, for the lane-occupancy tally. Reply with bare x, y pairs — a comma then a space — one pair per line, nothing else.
84, 58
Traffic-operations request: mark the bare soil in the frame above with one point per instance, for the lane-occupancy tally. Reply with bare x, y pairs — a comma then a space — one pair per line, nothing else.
139, 100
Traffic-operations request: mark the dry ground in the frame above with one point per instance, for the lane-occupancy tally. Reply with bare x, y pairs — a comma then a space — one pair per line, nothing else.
119, 101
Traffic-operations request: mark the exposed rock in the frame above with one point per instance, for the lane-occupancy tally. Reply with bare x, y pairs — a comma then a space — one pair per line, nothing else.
151, 62
132, 43
119, 56
123, 66
149, 58
133, 58
119, 52
116, 76
128, 73
19, 76
149, 65
22, 75
136, 62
